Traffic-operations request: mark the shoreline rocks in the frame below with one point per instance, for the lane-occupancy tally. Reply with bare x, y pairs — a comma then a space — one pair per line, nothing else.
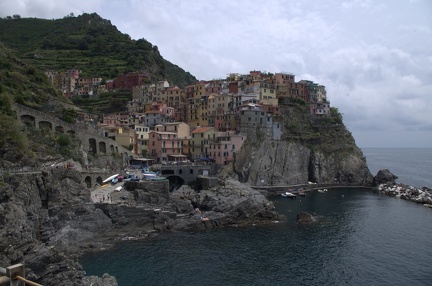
386, 184
306, 218
405, 192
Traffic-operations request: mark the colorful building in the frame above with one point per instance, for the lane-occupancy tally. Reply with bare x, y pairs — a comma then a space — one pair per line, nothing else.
224, 146
199, 142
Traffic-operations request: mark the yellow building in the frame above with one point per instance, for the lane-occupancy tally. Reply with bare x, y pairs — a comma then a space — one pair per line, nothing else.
199, 142
266, 91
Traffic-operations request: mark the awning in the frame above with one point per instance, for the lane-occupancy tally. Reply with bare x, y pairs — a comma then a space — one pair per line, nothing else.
177, 156
142, 159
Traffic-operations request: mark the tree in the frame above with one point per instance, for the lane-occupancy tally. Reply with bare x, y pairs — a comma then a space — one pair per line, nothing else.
336, 115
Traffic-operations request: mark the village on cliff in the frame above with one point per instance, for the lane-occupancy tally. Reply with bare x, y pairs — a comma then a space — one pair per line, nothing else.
207, 121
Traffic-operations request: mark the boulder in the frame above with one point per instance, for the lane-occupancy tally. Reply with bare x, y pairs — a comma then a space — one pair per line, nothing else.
105, 280
231, 203
384, 176
305, 218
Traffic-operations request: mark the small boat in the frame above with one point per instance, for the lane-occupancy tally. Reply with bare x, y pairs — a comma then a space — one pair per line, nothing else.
322, 191
148, 175
109, 179
289, 195
302, 193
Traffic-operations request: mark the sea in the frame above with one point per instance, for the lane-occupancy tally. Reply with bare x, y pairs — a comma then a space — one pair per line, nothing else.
362, 238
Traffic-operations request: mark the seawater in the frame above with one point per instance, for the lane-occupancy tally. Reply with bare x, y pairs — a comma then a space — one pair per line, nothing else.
363, 238
412, 166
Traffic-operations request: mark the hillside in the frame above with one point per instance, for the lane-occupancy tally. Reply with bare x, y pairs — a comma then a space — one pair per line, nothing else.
27, 85
89, 43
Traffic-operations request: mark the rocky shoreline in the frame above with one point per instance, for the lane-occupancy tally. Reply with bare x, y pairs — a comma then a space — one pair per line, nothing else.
385, 182
418, 195
49, 221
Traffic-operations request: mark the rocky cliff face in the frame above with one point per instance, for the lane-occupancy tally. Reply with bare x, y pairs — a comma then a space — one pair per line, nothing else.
44, 218
328, 157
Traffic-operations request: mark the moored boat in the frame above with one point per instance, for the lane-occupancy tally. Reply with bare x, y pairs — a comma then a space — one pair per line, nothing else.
109, 179
289, 195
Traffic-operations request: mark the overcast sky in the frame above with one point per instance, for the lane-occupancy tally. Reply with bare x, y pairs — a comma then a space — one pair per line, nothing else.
374, 57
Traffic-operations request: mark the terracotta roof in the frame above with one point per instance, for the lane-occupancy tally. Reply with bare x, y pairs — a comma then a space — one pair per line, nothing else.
202, 130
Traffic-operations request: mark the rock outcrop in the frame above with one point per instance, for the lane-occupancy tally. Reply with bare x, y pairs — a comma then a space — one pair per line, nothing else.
231, 203
384, 176
276, 162
306, 218
45, 222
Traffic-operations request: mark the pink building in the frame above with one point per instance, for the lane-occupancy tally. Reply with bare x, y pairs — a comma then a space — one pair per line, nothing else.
163, 144
224, 147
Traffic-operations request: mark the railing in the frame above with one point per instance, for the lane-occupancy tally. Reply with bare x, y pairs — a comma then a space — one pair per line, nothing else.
15, 276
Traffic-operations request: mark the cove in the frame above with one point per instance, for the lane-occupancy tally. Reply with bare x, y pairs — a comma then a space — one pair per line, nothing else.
362, 238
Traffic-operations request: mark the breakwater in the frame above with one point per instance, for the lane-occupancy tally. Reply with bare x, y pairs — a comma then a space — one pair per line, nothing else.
418, 195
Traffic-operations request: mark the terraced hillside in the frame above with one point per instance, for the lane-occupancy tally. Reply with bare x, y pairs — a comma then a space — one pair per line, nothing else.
87, 42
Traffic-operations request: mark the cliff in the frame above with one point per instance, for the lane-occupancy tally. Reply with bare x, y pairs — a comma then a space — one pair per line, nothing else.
44, 219
311, 150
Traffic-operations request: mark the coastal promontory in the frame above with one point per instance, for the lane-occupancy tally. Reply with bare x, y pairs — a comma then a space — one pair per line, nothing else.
55, 158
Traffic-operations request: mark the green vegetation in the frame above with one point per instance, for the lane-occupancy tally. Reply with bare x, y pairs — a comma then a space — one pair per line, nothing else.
68, 115
107, 102
63, 144
89, 43
336, 115
12, 134
24, 82
327, 134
